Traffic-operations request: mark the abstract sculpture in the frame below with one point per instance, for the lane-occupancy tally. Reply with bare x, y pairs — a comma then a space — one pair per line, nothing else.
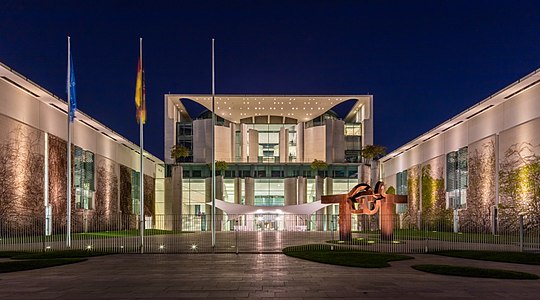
363, 200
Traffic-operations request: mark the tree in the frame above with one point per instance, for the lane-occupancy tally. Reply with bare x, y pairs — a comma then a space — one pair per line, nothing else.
178, 152
319, 165
221, 166
373, 152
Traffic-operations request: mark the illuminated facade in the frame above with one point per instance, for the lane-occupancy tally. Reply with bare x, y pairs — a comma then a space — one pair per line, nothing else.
477, 171
268, 143
33, 165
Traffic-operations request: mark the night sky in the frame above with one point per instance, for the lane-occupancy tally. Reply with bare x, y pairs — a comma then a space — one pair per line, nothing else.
424, 61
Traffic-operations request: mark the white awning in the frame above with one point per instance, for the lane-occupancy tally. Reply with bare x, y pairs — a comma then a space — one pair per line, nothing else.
239, 209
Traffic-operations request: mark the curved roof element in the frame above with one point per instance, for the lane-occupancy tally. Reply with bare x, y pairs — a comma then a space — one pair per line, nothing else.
300, 107
240, 209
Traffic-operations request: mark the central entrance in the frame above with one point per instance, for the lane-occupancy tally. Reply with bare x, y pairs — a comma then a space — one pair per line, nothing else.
268, 222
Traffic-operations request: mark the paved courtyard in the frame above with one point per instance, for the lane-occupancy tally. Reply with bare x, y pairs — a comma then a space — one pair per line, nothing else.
255, 276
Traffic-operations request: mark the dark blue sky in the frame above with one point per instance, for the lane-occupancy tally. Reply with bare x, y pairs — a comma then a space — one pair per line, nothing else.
424, 61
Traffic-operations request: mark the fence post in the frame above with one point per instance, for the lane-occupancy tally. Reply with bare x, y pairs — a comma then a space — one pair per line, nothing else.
521, 233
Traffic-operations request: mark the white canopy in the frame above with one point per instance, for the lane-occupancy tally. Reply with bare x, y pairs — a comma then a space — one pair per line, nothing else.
240, 209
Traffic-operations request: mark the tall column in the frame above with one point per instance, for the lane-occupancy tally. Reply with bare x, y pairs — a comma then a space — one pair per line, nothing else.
302, 189
238, 190
329, 190
290, 191
283, 145
319, 215
174, 213
300, 142
253, 145
364, 174
302, 220
250, 191
244, 138
219, 195
249, 200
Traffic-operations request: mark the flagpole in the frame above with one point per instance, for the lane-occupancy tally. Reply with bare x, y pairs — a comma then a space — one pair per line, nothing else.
213, 194
68, 211
141, 177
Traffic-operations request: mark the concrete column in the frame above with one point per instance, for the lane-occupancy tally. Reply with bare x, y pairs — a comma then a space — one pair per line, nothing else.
319, 215
253, 145
300, 142
173, 199
244, 138
219, 195
364, 174
329, 210
335, 141
283, 145
250, 191
238, 190
202, 141
290, 191
302, 189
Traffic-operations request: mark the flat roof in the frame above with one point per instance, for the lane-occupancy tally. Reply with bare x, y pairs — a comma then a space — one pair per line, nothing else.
300, 107
499, 97
26, 85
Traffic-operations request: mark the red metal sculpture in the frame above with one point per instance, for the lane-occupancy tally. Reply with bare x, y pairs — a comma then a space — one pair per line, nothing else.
363, 200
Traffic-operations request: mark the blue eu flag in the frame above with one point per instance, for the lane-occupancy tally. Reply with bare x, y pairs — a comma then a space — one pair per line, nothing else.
71, 87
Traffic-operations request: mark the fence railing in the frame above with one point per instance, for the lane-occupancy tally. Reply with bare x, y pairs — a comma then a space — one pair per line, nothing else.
258, 233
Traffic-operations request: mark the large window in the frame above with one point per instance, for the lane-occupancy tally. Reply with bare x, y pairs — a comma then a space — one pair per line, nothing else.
401, 189
353, 142
457, 178
184, 137
84, 178
135, 192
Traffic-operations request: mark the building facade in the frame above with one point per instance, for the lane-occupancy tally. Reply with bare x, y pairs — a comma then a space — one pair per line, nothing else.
33, 166
269, 143
478, 171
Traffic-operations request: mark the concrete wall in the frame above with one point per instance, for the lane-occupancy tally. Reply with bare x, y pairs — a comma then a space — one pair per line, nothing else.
37, 114
253, 145
315, 143
202, 141
502, 141
223, 143
335, 141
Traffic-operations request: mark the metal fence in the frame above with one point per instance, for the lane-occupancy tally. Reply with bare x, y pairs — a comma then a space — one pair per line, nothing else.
259, 233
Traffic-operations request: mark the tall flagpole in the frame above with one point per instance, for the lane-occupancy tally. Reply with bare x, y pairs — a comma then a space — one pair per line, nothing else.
213, 154
141, 176
68, 211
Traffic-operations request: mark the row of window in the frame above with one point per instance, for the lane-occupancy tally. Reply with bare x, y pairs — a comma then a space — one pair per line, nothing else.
84, 181
269, 141
267, 171
456, 179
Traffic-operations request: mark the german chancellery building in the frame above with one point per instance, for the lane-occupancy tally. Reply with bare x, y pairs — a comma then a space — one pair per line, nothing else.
478, 171
269, 143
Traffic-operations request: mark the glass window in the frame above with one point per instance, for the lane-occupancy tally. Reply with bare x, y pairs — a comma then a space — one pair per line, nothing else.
457, 177
401, 189
135, 192
269, 192
84, 178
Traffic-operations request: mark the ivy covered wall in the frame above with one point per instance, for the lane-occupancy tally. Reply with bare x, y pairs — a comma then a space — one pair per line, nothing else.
410, 218
477, 215
519, 176
434, 215
21, 176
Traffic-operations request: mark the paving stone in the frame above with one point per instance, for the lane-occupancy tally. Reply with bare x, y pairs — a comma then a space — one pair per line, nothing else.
255, 276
